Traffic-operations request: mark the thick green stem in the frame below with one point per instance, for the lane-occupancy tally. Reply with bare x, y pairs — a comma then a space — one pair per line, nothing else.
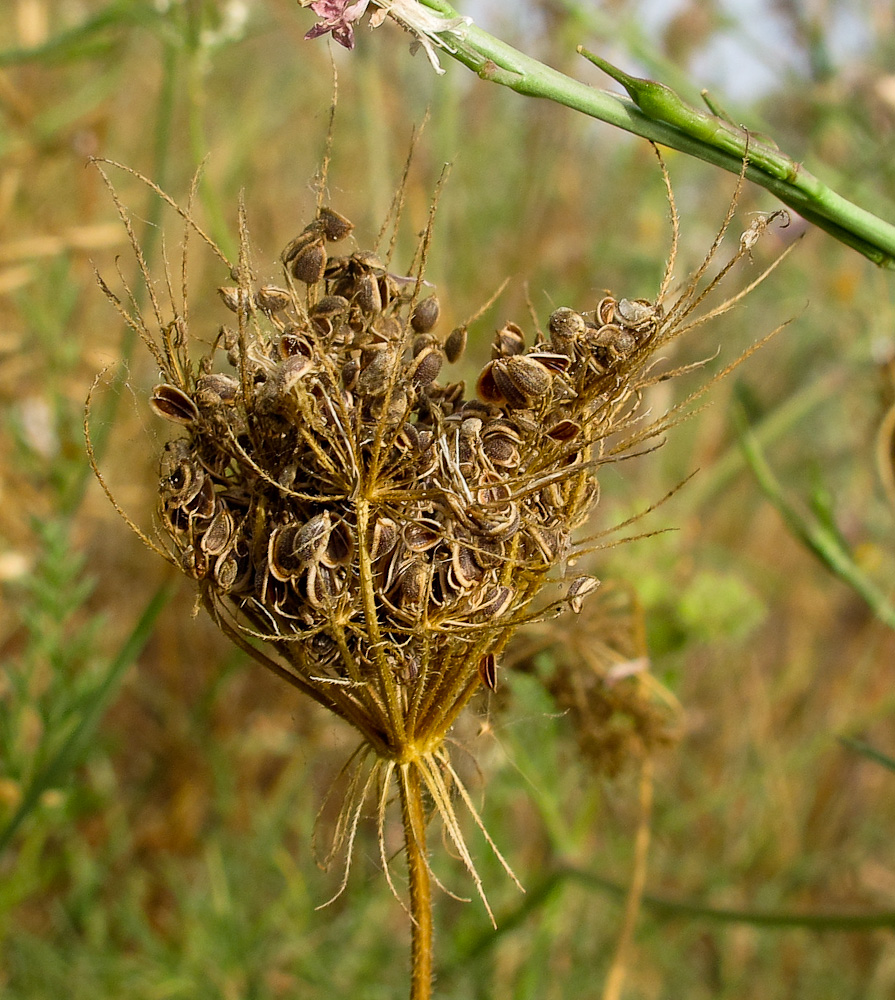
657, 113
414, 821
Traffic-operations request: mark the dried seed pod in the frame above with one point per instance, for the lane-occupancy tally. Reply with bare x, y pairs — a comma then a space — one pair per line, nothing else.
579, 588
350, 373
272, 299
501, 451
421, 342
312, 233
236, 299
291, 344
216, 390
281, 558
377, 361
488, 671
202, 504
321, 585
329, 306
605, 311
412, 582
425, 367
193, 563
508, 341
637, 314
552, 543
309, 263
407, 439
226, 572
464, 571
455, 344
339, 547
425, 315
486, 386
423, 534
471, 427
335, 226
292, 370
217, 535
566, 326
564, 430
367, 294
312, 538
611, 344
528, 374
173, 404
385, 537
495, 602
557, 363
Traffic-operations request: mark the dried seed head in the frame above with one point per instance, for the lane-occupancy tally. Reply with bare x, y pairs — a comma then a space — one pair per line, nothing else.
383, 532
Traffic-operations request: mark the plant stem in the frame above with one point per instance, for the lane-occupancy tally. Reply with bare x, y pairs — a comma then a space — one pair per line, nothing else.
420, 882
818, 538
657, 113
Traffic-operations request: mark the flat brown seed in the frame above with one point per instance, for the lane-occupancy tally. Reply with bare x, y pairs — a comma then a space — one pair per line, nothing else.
335, 226
310, 263
272, 299
425, 315
173, 404
455, 344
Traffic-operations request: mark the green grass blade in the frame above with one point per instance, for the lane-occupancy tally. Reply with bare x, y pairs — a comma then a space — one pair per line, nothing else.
868, 751
69, 754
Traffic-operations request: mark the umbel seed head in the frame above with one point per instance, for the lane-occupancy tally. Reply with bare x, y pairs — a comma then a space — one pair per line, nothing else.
381, 531
363, 526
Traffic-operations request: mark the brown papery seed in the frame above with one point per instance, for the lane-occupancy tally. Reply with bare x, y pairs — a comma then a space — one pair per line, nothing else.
173, 404
425, 315
455, 344
310, 263
335, 226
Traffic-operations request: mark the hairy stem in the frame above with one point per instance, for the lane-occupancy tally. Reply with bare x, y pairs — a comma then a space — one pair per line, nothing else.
414, 820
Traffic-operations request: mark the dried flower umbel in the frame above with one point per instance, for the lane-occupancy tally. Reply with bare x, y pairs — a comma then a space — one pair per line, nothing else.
368, 529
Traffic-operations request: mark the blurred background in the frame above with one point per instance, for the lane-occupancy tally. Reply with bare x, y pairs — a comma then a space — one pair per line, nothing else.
158, 794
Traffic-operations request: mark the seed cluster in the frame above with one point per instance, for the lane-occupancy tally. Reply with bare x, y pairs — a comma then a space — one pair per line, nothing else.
382, 530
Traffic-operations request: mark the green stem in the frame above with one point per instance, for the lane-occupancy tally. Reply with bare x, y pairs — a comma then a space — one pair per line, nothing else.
815, 536
655, 112
414, 821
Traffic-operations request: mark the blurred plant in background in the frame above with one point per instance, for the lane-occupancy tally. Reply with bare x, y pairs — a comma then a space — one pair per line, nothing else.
180, 865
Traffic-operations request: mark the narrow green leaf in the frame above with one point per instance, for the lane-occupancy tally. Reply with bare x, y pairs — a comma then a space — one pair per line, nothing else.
69, 754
